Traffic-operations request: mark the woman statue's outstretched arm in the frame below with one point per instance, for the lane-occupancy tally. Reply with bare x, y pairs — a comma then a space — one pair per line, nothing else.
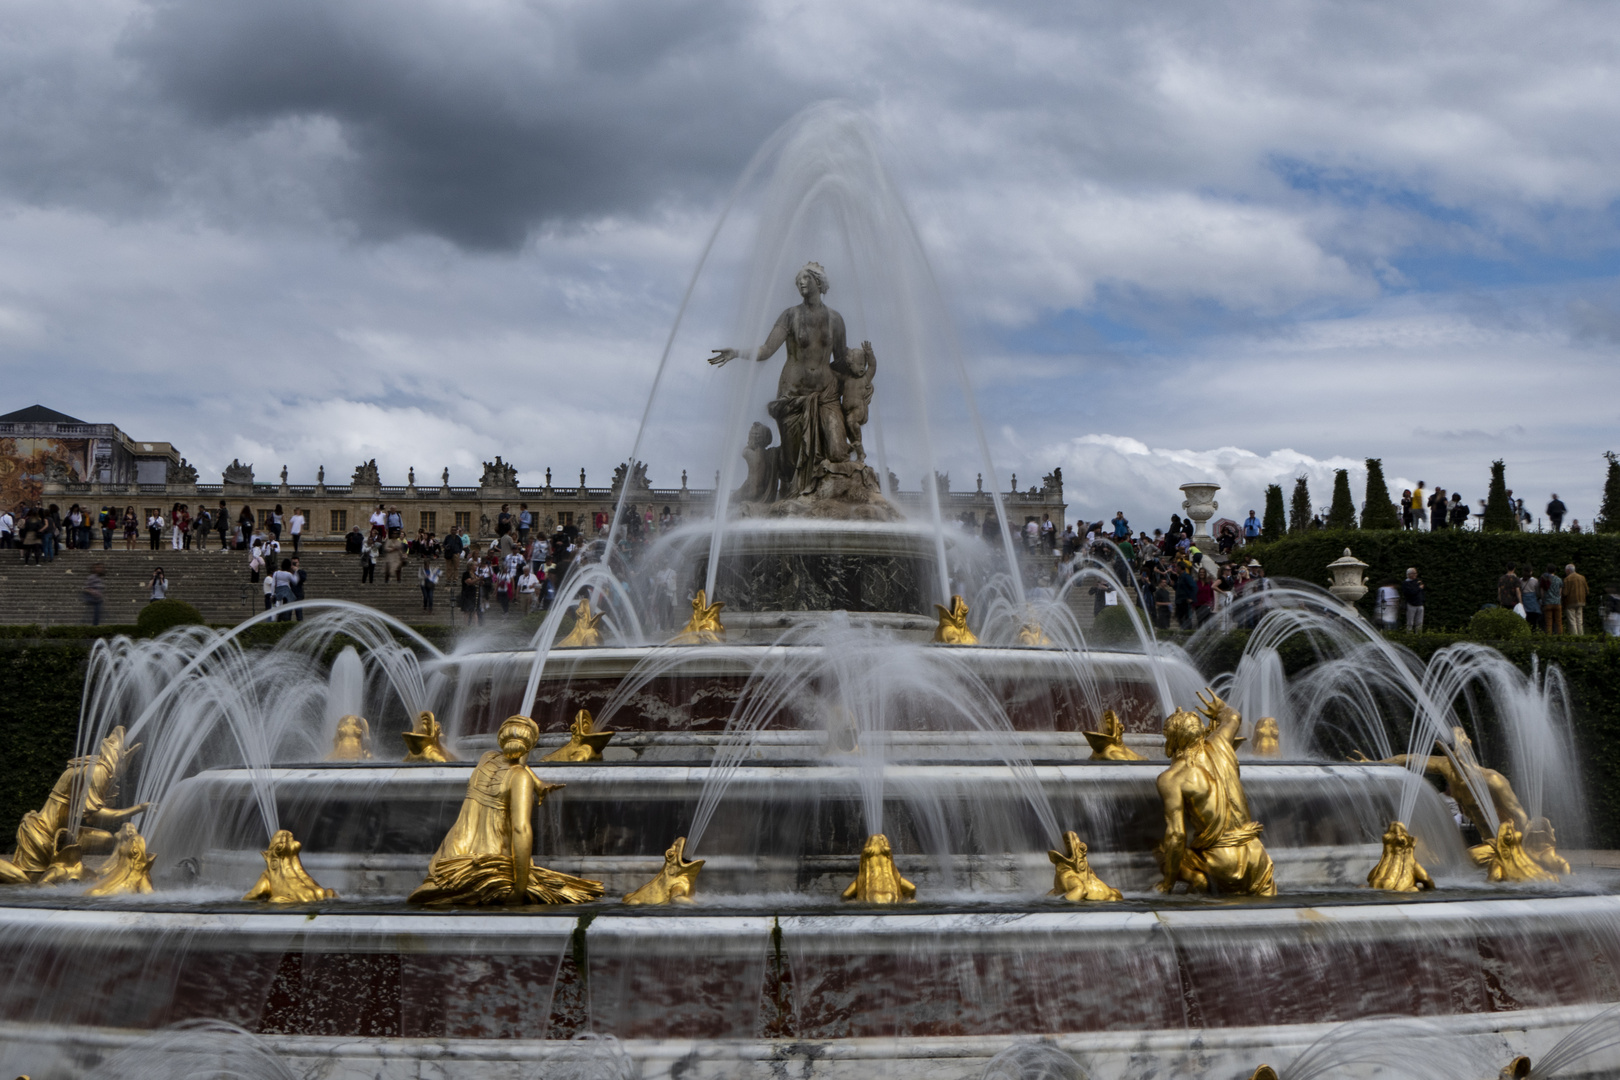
777, 336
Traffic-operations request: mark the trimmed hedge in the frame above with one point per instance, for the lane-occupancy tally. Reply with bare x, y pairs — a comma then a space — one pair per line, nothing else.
1497, 624
1458, 567
41, 684
161, 615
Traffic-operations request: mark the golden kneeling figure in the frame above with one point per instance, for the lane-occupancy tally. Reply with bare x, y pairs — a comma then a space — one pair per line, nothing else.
487, 856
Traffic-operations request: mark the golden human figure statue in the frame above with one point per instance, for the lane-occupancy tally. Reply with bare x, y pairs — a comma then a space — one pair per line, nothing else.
1072, 875
586, 631
953, 627
878, 881
675, 883
1461, 766
425, 742
128, 869
703, 628
1267, 741
1109, 743
352, 740
1398, 869
584, 743
1210, 841
487, 856
40, 849
285, 881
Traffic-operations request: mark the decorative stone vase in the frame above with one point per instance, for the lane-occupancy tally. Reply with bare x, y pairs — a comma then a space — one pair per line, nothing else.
1200, 505
1347, 578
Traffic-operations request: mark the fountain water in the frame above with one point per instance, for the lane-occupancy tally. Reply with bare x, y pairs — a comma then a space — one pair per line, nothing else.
827, 726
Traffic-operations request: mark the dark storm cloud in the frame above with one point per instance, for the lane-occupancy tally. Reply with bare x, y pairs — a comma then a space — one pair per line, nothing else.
480, 123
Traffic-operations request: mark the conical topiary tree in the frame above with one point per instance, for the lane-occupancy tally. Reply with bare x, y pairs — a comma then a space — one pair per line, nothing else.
1299, 507
1498, 510
1342, 513
1275, 523
1608, 519
1379, 512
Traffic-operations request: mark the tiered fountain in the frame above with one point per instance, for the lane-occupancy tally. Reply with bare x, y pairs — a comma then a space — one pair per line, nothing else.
839, 821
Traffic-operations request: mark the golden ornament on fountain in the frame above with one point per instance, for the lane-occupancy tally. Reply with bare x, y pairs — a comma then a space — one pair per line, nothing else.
1508, 861
704, 627
352, 740
1540, 844
1030, 632
1210, 841
1072, 876
487, 857
285, 881
586, 632
1109, 743
584, 743
45, 851
128, 869
425, 742
1517, 1069
675, 883
953, 627
1267, 739
877, 881
1264, 1072
1398, 869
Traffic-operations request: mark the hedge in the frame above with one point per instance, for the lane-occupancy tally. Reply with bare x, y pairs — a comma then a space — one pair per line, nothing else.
1459, 567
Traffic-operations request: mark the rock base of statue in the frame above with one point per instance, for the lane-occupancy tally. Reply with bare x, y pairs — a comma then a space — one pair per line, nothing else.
844, 491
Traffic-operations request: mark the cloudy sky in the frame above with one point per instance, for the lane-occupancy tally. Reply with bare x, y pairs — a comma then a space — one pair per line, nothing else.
1179, 240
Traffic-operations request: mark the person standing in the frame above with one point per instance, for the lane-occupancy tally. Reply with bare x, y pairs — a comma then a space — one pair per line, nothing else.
132, 528
368, 561
33, 535
1419, 507
222, 524
1437, 510
8, 529
154, 530
1555, 513
1389, 603
1251, 528
201, 526
1552, 600
1508, 593
393, 558
1530, 590
1575, 597
95, 593
428, 578
159, 587
1406, 508
296, 527
299, 576
283, 582
1413, 592
109, 519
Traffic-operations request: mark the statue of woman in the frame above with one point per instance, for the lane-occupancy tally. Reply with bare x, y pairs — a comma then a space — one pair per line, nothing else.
808, 409
487, 856
97, 777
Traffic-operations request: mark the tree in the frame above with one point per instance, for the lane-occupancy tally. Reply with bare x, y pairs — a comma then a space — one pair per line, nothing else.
1299, 508
1499, 516
1608, 519
1379, 512
1275, 522
1342, 514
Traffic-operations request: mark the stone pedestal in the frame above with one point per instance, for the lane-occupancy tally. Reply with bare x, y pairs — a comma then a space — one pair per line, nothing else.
1200, 505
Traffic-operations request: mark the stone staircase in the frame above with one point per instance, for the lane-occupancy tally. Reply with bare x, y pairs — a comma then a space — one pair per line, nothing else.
214, 582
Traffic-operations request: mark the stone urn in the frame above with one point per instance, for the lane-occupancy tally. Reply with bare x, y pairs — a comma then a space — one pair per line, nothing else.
1347, 578
1200, 505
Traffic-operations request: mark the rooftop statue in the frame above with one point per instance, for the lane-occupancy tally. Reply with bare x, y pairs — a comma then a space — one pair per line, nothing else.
822, 401
487, 856
97, 777
1210, 841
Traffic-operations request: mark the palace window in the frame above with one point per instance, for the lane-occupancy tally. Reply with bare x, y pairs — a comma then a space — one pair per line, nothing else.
340, 521
564, 517
464, 521
429, 521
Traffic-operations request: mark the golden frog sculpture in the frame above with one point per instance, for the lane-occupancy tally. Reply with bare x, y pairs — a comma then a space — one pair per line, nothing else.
487, 857
1030, 633
1398, 869
584, 743
1072, 876
1267, 737
704, 627
128, 870
1210, 841
1507, 859
425, 741
1109, 743
877, 881
352, 740
46, 852
1540, 844
586, 632
953, 627
285, 881
675, 883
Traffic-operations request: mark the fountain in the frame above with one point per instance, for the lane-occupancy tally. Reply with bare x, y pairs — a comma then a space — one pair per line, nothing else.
942, 833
